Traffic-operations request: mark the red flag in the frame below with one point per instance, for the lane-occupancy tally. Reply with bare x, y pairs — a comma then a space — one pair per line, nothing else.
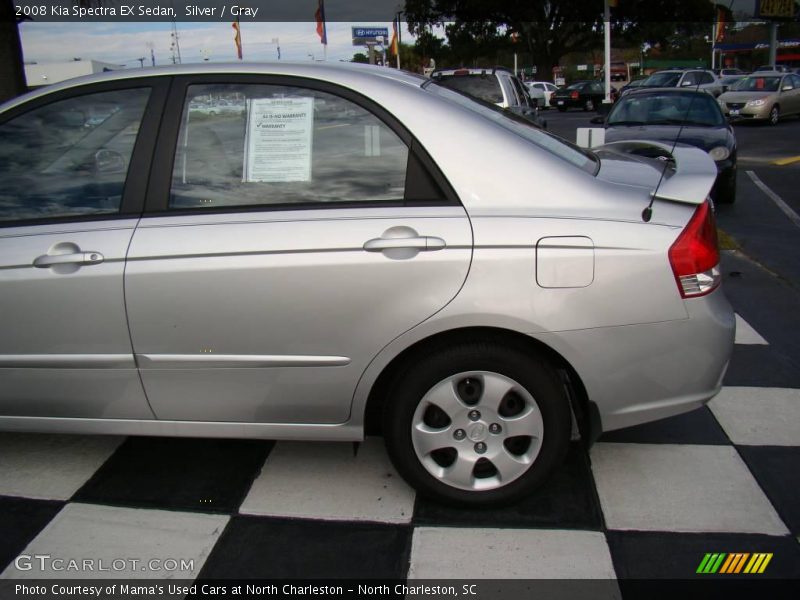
393, 45
322, 32
237, 39
722, 18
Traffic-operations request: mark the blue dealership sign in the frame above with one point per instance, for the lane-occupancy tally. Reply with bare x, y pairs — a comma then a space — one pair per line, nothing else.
364, 35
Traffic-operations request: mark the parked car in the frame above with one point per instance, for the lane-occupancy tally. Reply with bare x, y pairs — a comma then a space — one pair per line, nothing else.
409, 260
541, 91
729, 81
773, 69
701, 79
632, 85
587, 95
497, 85
675, 115
763, 96
727, 72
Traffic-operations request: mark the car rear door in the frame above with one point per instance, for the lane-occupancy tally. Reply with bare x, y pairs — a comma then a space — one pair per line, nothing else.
285, 244
72, 171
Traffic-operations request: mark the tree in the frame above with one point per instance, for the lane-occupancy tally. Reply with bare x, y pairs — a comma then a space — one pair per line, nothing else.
359, 57
12, 69
551, 29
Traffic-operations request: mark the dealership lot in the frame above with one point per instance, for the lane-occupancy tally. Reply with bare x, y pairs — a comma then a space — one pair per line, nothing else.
646, 502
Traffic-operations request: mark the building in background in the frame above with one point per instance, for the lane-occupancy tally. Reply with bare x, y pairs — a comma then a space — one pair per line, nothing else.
39, 74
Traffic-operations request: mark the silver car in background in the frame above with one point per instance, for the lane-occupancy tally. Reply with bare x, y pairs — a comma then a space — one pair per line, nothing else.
352, 250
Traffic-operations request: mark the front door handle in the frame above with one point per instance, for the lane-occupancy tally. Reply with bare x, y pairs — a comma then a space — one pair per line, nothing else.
420, 243
76, 258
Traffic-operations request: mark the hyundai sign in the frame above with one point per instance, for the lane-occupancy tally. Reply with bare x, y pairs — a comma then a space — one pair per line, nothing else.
369, 35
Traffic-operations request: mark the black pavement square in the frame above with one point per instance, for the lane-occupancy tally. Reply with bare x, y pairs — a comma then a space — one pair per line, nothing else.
21, 520
696, 427
761, 366
567, 500
267, 548
211, 475
663, 555
777, 470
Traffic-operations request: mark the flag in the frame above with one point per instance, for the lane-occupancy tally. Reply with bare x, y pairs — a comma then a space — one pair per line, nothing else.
393, 45
237, 39
723, 16
322, 32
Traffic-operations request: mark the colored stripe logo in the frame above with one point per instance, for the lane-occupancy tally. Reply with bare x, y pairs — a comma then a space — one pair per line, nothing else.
734, 563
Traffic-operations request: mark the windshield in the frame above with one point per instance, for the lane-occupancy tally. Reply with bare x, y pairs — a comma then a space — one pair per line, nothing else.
486, 87
758, 84
662, 80
698, 109
578, 157
576, 86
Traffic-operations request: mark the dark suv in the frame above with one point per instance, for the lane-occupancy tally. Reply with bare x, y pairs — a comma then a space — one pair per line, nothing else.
496, 85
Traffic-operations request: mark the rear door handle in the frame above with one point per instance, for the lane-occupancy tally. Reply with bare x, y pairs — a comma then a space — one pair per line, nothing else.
77, 258
421, 243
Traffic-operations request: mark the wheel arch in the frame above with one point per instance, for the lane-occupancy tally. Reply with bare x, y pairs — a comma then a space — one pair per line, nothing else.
586, 414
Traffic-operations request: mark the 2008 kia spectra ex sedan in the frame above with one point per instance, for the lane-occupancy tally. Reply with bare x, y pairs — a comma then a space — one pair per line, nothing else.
346, 249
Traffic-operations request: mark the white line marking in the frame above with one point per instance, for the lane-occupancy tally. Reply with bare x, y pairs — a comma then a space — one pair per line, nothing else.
745, 334
793, 216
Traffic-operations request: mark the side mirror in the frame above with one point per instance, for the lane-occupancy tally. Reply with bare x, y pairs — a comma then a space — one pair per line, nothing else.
599, 120
687, 84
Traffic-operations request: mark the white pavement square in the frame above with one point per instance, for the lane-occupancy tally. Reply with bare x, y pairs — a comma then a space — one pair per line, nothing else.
665, 487
50, 467
509, 554
759, 416
112, 538
326, 481
745, 334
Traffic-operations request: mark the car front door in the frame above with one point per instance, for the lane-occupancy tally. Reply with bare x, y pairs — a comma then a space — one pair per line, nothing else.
790, 98
71, 191
287, 243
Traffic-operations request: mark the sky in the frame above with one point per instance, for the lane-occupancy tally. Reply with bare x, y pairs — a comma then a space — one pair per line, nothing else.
124, 43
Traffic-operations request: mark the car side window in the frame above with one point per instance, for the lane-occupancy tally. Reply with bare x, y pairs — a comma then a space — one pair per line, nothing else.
70, 157
691, 78
250, 144
706, 78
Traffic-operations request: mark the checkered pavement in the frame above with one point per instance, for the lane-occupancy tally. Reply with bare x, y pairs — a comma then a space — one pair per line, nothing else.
646, 502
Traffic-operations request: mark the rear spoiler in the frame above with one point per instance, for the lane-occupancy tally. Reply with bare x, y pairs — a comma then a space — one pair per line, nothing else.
694, 174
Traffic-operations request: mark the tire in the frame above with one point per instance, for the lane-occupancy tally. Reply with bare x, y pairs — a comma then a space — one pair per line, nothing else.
589, 105
774, 115
449, 402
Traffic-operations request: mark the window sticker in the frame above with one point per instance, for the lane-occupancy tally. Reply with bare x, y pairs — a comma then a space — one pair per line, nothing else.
277, 145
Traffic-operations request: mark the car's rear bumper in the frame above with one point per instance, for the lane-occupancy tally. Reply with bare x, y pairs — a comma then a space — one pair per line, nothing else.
640, 373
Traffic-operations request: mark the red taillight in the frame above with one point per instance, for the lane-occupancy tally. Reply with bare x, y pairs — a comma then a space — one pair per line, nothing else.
694, 256
573, 95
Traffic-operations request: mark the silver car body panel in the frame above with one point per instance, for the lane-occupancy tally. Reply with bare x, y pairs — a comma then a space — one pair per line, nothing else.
222, 306
208, 296
65, 350
692, 179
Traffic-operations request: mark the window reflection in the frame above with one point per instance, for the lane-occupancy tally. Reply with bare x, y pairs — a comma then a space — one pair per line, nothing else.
257, 144
70, 157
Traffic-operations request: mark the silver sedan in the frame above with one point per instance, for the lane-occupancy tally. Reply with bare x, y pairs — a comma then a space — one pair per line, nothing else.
352, 250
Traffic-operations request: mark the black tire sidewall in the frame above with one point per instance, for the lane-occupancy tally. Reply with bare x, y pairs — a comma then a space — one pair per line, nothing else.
413, 383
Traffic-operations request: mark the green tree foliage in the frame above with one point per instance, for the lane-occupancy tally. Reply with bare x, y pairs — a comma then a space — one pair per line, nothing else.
550, 29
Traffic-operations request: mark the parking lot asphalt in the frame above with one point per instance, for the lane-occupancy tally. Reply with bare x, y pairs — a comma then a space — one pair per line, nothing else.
647, 502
